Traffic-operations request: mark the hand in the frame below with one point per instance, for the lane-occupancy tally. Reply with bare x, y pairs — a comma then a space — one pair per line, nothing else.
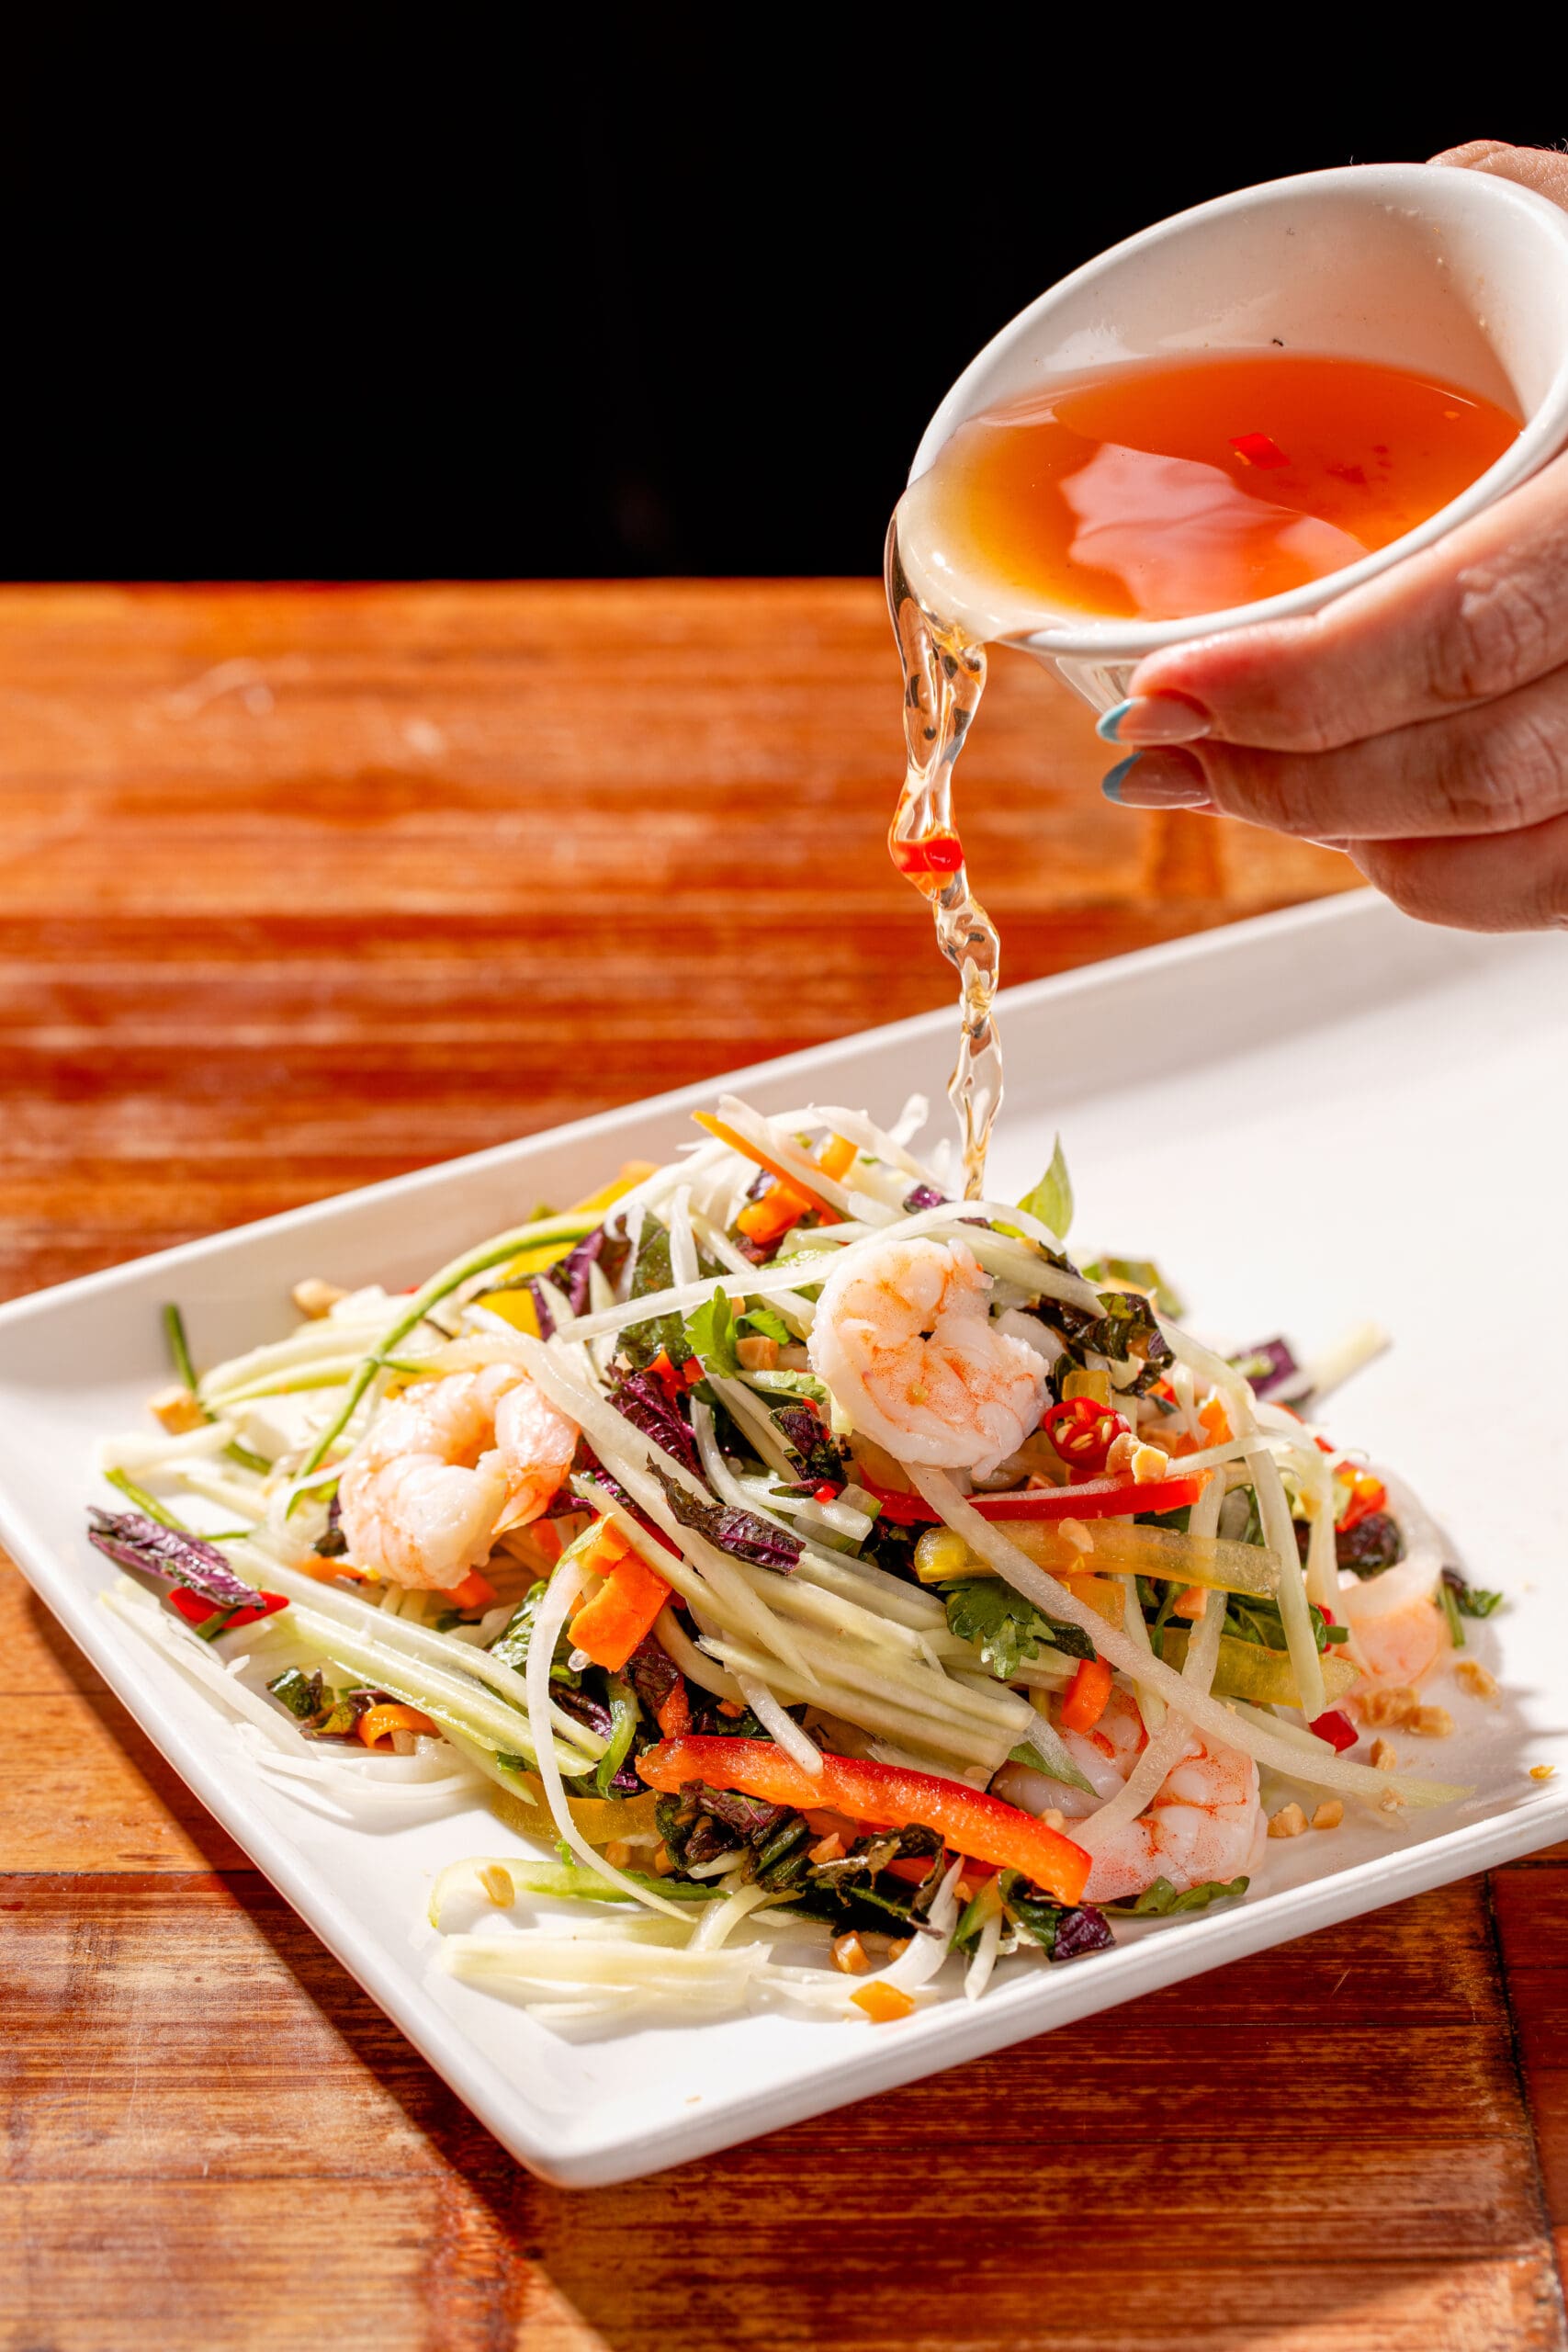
1420, 723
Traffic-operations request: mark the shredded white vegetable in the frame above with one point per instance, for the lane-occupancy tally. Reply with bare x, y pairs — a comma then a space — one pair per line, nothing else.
1329, 1771
862, 1650
785, 1729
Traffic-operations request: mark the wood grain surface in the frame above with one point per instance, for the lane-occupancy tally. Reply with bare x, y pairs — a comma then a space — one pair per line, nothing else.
305, 886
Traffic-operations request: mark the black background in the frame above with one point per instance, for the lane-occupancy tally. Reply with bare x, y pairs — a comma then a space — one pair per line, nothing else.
373, 294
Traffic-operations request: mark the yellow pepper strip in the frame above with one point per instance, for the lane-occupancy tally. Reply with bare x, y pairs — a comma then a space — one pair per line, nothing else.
1248, 1671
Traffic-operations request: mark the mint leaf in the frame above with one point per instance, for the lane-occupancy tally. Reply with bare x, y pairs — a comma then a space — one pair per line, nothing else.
710, 1334
1051, 1199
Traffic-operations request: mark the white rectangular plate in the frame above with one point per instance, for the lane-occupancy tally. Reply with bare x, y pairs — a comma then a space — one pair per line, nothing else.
1313, 1119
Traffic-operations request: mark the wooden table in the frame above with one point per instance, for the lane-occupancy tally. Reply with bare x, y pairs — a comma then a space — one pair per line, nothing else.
304, 888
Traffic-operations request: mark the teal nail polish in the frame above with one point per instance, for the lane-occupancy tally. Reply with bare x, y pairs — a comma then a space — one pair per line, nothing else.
1106, 726
1110, 784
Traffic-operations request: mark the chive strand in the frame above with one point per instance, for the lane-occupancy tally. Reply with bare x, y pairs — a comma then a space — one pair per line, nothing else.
179, 1348
441, 1286
148, 1505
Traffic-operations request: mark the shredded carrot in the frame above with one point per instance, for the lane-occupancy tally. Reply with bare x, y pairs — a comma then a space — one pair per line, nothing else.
767, 1220
829, 1215
379, 1723
1087, 1695
605, 1550
609, 1626
474, 1593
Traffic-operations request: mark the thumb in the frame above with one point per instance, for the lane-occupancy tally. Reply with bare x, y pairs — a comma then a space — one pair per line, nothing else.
1540, 168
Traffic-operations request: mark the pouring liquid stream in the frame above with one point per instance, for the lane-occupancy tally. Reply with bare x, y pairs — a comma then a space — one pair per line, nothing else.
1148, 490
944, 677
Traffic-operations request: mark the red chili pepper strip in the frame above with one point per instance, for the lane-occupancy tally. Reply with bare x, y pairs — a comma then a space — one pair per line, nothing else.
1337, 1729
1084, 1432
1101, 1499
934, 854
885, 1796
1258, 449
676, 1715
195, 1608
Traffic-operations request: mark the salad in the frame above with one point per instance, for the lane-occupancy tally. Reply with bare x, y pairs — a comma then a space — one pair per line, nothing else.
822, 1576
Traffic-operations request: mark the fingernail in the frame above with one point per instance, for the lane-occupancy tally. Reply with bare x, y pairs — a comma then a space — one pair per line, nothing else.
1155, 718
1157, 780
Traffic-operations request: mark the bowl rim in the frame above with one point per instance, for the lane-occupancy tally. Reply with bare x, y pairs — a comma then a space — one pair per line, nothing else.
1539, 439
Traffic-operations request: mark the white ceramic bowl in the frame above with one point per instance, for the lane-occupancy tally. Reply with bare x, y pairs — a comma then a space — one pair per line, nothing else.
1454, 273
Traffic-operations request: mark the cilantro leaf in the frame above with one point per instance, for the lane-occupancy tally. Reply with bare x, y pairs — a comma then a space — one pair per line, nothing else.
768, 1326
710, 1334
1051, 1199
1006, 1629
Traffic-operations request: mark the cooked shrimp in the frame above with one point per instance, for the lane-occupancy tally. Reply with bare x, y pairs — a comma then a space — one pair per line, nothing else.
1206, 1821
444, 1470
1398, 1625
904, 1338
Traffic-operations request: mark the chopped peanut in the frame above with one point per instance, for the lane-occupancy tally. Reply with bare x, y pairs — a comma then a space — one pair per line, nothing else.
617, 1853
1074, 1532
828, 1850
1474, 1677
1054, 1817
849, 1953
1329, 1815
1289, 1822
663, 1859
497, 1883
1431, 1722
757, 1354
1150, 1461
1392, 1707
897, 1945
1391, 1801
882, 2003
1119, 1461
1542, 1771
179, 1410
315, 1298
1191, 1604
1384, 1757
